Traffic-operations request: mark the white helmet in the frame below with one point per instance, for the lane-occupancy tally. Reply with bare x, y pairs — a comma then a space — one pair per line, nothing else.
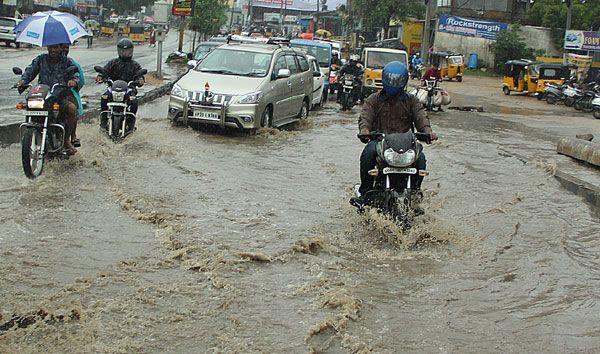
354, 58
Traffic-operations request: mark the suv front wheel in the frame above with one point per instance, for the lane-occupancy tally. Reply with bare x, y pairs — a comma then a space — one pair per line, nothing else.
266, 121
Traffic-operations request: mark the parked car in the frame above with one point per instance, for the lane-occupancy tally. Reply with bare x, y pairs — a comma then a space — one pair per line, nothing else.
7, 33
245, 85
318, 96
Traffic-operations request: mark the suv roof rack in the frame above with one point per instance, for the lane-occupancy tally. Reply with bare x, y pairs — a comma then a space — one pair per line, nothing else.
279, 41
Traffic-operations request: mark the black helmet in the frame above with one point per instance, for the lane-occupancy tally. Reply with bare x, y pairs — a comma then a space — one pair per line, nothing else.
125, 49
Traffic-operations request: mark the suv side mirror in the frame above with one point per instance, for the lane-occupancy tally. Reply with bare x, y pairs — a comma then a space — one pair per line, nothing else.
283, 73
17, 71
192, 64
316, 74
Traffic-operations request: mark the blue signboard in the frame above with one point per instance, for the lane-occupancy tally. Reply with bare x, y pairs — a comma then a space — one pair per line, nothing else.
470, 27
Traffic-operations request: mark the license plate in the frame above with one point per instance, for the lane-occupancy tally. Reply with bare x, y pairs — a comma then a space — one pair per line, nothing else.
206, 115
392, 170
35, 113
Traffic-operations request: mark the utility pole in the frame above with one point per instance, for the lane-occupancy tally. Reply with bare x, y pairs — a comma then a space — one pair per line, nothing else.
430, 11
569, 14
181, 33
281, 18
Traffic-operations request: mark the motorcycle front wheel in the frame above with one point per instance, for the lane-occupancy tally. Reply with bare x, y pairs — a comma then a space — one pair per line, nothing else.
550, 99
31, 154
597, 112
569, 101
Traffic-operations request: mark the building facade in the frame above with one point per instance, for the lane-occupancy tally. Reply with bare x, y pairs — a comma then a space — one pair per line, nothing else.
491, 10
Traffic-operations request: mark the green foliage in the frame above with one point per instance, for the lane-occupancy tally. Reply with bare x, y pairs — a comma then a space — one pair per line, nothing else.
553, 14
379, 13
510, 45
209, 16
122, 7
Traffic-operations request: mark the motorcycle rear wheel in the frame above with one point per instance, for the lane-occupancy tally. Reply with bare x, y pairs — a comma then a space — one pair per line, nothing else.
569, 101
551, 99
31, 156
597, 112
578, 105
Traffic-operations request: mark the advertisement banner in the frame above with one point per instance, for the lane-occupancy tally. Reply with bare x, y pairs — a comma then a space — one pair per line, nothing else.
301, 5
183, 7
582, 40
470, 27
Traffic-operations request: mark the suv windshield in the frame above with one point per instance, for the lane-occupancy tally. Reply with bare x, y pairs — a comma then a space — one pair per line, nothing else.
7, 23
236, 62
377, 60
322, 54
203, 50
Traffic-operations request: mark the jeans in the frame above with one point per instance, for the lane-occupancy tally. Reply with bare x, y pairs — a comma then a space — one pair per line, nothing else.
368, 161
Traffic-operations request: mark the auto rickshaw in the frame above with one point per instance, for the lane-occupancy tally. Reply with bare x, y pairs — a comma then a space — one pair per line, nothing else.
123, 28
520, 76
552, 73
136, 33
374, 60
108, 29
452, 65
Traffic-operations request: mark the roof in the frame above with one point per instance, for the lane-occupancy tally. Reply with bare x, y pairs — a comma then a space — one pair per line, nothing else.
446, 54
385, 50
522, 62
310, 43
251, 47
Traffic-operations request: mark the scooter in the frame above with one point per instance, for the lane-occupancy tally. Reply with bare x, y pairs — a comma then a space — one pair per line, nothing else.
43, 133
584, 102
120, 96
596, 106
395, 173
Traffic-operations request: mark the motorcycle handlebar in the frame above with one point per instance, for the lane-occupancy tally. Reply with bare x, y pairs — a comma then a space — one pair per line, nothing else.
424, 137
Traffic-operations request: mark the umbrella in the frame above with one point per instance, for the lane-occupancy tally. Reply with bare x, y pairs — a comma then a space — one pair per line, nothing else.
92, 24
148, 19
324, 33
49, 28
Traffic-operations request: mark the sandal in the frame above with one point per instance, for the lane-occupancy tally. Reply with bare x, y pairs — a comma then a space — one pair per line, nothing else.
76, 143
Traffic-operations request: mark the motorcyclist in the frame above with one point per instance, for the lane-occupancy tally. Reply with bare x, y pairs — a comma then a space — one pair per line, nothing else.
416, 60
51, 69
433, 72
392, 110
75, 91
122, 68
353, 67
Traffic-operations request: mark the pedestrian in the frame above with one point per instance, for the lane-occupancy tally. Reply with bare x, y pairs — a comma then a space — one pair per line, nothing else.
153, 38
90, 38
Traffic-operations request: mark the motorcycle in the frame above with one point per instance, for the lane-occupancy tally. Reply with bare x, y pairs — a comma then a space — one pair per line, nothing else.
416, 71
120, 95
43, 133
553, 93
350, 86
584, 101
393, 193
596, 105
570, 92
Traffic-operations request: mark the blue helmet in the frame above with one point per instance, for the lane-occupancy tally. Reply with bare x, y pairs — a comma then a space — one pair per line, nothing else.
395, 78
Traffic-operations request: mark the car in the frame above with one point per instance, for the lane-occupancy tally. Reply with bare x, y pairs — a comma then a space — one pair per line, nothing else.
7, 33
320, 50
245, 86
319, 98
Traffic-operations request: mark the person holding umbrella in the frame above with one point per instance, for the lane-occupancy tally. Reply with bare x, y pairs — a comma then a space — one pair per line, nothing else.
52, 29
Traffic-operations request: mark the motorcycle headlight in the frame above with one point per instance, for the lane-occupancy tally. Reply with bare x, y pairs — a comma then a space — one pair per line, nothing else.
35, 104
177, 91
396, 159
250, 98
118, 96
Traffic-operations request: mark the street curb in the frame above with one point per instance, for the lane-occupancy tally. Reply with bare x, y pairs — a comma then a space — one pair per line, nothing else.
9, 133
588, 191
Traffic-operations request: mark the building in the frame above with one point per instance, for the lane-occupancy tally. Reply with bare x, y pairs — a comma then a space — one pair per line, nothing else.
489, 10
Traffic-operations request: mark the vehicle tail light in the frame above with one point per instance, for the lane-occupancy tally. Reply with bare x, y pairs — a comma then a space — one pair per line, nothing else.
56, 107
20, 105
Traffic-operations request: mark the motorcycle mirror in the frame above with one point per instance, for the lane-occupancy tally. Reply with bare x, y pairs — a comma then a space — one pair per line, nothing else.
17, 71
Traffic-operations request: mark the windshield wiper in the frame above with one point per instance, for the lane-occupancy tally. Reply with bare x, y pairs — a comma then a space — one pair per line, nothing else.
217, 71
251, 74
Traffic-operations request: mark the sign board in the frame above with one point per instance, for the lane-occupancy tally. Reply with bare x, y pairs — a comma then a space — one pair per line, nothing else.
582, 40
161, 11
183, 7
470, 27
412, 35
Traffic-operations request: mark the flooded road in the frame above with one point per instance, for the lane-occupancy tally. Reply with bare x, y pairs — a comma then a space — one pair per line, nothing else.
183, 240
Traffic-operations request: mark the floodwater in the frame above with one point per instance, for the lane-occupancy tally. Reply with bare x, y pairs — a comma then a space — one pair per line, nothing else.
182, 240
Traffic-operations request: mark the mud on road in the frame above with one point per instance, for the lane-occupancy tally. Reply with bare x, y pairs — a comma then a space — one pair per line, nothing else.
185, 240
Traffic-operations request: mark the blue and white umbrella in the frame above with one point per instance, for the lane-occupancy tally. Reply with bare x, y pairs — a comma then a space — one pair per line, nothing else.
49, 28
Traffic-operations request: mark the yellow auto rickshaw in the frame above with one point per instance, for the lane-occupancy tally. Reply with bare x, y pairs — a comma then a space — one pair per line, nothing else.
136, 33
553, 73
108, 29
520, 76
123, 28
452, 65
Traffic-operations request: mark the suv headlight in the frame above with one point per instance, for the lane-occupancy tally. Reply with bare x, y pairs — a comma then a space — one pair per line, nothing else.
250, 98
400, 160
177, 91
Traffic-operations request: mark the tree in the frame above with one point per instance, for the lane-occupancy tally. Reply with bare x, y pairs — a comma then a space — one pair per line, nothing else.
553, 14
510, 45
209, 16
379, 13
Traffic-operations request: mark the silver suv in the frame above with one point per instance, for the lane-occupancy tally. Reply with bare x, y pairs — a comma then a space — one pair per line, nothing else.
246, 86
7, 33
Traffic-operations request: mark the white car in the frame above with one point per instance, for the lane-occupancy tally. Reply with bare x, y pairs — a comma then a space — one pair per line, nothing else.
318, 98
7, 33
